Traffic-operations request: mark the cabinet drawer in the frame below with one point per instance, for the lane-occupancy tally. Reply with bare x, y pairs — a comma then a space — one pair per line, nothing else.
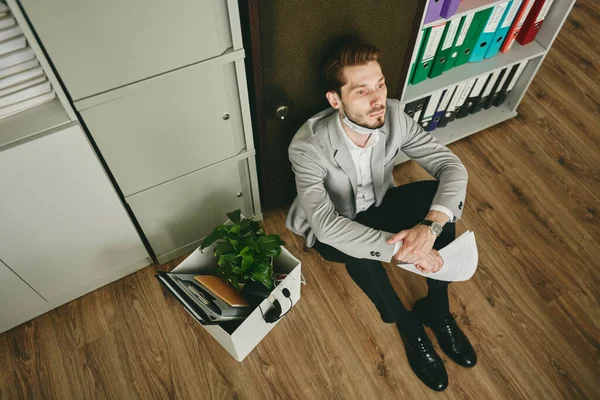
182, 211
62, 224
97, 46
169, 126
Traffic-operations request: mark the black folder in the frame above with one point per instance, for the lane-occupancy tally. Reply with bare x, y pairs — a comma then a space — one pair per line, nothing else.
410, 108
420, 108
453, 107
442, 107
485, 92
472, 98
499, 100
495, 90
444, 120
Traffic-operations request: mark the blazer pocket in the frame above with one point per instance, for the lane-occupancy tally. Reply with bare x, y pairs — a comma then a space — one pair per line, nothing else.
391, 159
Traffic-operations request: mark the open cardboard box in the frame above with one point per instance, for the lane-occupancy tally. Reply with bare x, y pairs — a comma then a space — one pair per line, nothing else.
239, 339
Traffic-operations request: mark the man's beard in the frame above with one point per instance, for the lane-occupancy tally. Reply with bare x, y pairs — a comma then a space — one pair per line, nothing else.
364, 124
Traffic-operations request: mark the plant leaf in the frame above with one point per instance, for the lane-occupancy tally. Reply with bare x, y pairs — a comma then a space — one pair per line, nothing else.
234, 216
223, 248
237, 247
251, 243
244, 251
246, 263
235, 229
210, 239
272, 252
270, 245
252, 228
227, 259
245, 224
262, 273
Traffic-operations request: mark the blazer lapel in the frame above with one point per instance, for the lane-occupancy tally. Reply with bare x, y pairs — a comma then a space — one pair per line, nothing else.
341, 154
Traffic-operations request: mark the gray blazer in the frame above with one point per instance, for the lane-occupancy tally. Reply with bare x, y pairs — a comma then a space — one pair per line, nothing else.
325, 206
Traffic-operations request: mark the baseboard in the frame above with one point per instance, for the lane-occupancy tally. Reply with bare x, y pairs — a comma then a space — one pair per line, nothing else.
78, 292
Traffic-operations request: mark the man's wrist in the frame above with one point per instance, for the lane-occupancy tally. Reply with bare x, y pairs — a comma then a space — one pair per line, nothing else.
437, 216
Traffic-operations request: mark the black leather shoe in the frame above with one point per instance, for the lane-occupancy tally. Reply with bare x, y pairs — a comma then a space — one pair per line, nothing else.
425, 362
451, 338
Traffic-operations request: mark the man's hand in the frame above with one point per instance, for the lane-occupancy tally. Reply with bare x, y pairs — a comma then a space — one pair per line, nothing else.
432, 263
418, 241
417, 244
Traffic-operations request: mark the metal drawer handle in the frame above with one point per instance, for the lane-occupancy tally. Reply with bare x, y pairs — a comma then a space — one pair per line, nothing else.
239, 194
226, 116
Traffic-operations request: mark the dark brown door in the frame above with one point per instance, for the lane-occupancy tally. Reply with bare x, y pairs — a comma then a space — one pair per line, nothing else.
287, 42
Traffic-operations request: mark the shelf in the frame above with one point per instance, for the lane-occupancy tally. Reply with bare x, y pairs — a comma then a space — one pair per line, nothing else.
463, 127
466, 7
468, 71
33, 121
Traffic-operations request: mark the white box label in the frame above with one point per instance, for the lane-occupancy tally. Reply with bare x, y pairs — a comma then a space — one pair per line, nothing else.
435, 36
511, 13
465, 92
457, 93
432, 106
544, 11
495, 18
465, 29
528, 6
447, 96
452, 28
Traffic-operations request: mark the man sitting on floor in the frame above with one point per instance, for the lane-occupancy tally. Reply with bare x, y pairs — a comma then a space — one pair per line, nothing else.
350, 211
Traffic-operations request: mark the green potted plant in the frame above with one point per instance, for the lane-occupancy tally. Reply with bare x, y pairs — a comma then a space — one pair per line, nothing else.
244, 252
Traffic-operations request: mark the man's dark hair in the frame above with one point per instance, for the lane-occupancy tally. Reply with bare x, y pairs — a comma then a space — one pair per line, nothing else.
349, 54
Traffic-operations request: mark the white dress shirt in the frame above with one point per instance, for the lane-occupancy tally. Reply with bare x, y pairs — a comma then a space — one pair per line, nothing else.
365, 194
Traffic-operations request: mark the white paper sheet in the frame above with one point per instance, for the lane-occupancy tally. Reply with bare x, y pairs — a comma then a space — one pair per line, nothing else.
460, 260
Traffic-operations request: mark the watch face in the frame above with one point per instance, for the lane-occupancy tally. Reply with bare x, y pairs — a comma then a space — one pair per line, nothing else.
437, 228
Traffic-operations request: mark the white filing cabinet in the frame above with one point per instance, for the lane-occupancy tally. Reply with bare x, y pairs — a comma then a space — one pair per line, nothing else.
162, 89
64, 230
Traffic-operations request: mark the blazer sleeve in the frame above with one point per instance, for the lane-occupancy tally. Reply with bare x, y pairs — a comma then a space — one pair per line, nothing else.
439, 161
328, 225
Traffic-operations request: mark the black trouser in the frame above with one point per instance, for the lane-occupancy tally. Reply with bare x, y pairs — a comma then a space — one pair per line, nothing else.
402, 208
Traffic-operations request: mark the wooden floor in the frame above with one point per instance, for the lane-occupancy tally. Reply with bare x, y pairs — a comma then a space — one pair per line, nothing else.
531, 311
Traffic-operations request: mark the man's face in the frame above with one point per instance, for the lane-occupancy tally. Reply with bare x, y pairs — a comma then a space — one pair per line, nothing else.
364, 94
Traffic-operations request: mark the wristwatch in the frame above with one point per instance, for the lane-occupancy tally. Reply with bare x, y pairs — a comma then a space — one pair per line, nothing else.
435, 227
